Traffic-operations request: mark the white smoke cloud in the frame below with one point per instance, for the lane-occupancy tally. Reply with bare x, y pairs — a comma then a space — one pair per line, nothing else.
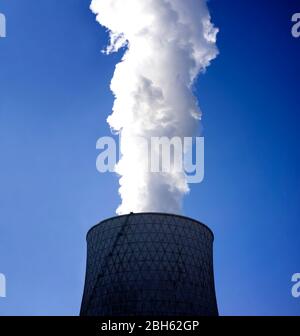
168, 42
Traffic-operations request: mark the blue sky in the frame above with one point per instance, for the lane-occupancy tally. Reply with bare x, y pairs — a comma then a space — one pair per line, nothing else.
54, 101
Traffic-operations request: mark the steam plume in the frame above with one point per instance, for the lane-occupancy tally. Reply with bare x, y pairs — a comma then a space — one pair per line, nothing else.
168, 42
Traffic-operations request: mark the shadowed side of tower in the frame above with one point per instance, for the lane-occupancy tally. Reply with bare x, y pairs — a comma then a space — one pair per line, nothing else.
152, 264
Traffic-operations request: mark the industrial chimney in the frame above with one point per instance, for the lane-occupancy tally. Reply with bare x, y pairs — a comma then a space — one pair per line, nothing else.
152, 264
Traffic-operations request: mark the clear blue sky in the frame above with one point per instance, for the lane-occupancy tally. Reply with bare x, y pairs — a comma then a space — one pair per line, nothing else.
54, 100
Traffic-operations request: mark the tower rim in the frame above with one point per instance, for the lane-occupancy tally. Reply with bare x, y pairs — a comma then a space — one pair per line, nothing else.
150, 213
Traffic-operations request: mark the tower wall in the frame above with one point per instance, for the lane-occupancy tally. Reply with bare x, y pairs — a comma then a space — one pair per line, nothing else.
151, 264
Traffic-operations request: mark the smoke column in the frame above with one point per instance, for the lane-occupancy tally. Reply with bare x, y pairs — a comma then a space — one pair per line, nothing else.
168, 43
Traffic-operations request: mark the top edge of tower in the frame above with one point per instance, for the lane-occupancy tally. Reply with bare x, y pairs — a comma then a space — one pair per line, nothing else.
137, 214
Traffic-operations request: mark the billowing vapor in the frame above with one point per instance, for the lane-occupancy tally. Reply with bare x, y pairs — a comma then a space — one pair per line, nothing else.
168, 43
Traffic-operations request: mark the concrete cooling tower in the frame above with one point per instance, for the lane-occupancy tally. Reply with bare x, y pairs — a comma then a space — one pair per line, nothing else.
149, 264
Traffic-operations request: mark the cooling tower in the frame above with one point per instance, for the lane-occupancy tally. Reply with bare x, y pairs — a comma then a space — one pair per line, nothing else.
152, 264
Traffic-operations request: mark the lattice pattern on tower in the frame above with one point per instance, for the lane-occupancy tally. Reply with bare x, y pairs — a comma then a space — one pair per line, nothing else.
149, 264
